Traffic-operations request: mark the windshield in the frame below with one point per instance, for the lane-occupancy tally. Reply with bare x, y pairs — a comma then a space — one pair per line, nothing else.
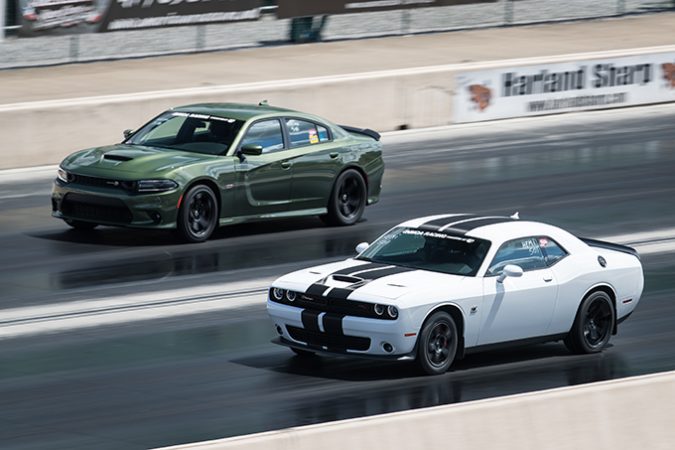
190, 132
428, 250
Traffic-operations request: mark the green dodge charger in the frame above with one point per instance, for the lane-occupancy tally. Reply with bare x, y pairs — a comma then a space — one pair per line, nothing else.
196, 167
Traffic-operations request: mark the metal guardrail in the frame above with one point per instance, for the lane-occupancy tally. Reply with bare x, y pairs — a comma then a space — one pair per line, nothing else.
61, 49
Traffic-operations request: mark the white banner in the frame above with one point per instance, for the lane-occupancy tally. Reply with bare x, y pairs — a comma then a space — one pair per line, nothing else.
561, 87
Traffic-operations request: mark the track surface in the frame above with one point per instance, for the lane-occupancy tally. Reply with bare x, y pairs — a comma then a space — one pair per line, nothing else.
201, 377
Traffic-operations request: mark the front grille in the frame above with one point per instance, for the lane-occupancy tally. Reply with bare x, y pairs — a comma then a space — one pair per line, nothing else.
93, 208
333, 305
100, 182
331, 342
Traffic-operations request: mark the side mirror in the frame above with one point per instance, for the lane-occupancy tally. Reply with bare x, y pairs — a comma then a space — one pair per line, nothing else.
510, 270
251, 149
128, 132
362, 247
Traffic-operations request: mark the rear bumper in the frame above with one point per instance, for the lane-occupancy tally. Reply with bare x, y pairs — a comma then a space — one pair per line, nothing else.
115, 207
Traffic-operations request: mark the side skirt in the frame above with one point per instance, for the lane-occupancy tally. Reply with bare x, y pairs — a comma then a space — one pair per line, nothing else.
271, 216
516, 343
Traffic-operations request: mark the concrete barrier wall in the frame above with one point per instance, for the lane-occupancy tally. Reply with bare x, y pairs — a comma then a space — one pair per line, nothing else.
43, 132
630, 414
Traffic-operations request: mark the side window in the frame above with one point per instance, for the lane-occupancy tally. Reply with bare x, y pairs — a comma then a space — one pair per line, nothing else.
523, 252
552, 251
266, 133
302, 132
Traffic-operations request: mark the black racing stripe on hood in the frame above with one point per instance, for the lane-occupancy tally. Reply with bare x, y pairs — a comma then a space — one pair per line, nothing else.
332, 324
375, 274
316, 289
359, 268
434, 225
343, 293
473, 224
310, 320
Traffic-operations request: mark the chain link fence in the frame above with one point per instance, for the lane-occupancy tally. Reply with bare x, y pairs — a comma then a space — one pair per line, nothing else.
49, 50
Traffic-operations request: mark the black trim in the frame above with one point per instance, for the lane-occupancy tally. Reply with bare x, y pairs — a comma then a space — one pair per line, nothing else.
516, 343
328, 341
621, 320
610, 246
310, 320
286, 343
364, 131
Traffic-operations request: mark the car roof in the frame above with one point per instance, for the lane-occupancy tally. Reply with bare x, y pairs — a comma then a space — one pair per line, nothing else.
490, 227
238, 111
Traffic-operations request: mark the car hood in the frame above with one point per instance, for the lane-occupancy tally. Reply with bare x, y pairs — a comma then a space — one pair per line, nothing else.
374, 283
129, 161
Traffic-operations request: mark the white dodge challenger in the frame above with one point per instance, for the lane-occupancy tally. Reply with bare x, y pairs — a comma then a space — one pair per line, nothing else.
436, 288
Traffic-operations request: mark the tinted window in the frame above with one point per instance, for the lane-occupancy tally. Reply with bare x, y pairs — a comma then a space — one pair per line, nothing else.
302, 132
524, 252
552, 251
189, 132
428, 250
266, 133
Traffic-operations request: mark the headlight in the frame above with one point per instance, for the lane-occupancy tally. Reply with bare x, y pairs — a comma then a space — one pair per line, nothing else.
379, 310
392, 311
278, 294
155, 185
290, 296
62, 175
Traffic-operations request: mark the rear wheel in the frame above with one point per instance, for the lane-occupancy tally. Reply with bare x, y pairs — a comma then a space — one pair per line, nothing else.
198, 215
80, 225
593, 325
347, 200
437, 347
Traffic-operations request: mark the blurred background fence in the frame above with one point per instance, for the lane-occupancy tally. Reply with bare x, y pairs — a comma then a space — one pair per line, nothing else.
61, 45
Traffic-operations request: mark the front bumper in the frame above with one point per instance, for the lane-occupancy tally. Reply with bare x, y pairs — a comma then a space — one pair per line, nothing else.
354, 336
112, 206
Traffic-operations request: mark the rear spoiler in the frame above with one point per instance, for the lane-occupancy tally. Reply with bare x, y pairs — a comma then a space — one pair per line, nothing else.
610, 246
364, 131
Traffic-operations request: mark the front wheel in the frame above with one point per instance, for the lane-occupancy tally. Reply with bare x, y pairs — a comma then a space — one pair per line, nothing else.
198, 215
593, 325
437, 346
347, 200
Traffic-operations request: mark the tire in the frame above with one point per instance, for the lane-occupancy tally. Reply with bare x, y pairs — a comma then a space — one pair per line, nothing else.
198, 215
80, 225
437, 346
593, 325
347, 199
303, 353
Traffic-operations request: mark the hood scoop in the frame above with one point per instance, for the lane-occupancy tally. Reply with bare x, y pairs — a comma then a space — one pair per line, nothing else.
347, 279
115, 157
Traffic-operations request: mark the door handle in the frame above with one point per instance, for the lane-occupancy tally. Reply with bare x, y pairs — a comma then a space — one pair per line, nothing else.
334, 155
286, 165
548, 278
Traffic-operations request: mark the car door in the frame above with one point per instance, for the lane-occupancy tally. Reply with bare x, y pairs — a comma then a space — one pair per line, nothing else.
264, 181
517, 307
316, 162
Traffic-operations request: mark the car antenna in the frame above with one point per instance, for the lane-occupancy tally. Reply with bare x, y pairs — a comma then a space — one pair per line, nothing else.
263, 103
515, 216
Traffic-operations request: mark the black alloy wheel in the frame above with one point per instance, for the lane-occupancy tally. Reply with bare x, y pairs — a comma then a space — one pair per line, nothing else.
437, 346
80, 225
593, 325
347, 200
198, 215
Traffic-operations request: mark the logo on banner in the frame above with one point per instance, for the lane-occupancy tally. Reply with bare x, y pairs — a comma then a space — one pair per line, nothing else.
669, 74
480, 96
